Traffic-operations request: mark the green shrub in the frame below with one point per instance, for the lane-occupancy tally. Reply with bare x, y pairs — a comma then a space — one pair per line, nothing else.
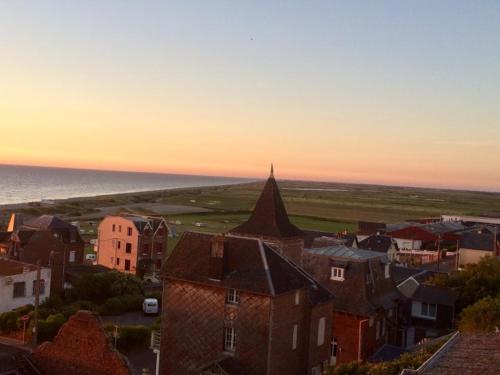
49, 327
84, 305
112, 306
9, 321
483, 316
132, 302
129, 336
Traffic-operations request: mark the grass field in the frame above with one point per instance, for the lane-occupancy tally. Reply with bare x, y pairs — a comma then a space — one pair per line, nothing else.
311, 205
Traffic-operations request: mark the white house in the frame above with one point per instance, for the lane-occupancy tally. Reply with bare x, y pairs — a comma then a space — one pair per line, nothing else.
17, 284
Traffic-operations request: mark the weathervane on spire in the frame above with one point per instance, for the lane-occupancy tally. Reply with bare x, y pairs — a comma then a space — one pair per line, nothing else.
272, 171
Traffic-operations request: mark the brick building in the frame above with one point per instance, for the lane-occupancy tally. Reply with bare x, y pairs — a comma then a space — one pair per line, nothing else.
269, 221
235, 303
366, 312
131, 243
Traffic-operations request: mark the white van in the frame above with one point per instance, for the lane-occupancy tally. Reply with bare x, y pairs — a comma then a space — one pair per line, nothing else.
150, 306
90, 257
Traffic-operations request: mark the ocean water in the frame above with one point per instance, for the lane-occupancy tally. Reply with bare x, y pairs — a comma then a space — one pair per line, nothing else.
19, 184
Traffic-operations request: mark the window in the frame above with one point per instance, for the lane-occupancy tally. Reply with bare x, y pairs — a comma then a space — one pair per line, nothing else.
114, 227
117, 261
72, 256
127, 265
119, 228
321, 331
334, 348
42, 287
129, 231
232, 297
297, 297
128, 247
294, 336
118, 244
337, 274
229, 339
428, 310
377, 330
19, 289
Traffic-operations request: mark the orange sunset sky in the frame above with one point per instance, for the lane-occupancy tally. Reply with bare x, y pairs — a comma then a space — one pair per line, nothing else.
327, 91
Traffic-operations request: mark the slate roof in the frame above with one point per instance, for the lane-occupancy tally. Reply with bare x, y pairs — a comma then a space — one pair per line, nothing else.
399, 273
469, 354
435, 294
269, 217
314, 238
478, 241
377, 243
249, 265
49, 222
364, 288
141, 222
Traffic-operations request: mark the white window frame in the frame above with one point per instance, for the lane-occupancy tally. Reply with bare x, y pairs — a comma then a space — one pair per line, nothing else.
425, 310
321, 330
229, 339
294, 336
72, 256
337, 274
233, 297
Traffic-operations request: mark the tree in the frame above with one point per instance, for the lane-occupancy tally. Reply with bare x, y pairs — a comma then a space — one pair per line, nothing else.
475, 282
483, 316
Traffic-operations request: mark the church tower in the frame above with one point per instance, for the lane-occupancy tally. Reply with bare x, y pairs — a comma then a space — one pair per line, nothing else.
269, 221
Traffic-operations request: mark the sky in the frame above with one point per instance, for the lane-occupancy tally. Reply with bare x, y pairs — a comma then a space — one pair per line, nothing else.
386, 92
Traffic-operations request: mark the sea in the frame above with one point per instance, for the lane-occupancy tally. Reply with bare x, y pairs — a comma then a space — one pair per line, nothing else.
21, 184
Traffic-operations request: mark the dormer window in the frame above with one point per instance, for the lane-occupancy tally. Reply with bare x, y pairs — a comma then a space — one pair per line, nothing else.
337, 274
233, 297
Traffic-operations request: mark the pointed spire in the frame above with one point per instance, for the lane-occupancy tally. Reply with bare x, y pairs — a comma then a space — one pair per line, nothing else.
272, 171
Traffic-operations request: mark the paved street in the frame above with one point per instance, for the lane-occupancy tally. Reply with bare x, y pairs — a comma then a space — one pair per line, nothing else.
130, 319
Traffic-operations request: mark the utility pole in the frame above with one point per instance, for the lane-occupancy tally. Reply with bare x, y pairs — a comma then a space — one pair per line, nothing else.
439, 249
457, 254
37, 302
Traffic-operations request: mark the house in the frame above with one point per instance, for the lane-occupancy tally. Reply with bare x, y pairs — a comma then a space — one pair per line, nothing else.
31, 246
131, 243
65, 232
428, 310
367, 228
381, 244
235, 302
81, 347
269, 221
475, 245
365, 315
18, 284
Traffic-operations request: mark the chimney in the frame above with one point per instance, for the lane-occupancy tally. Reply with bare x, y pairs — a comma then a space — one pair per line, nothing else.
216, 261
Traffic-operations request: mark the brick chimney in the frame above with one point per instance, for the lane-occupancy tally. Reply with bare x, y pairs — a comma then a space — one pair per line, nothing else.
216, 261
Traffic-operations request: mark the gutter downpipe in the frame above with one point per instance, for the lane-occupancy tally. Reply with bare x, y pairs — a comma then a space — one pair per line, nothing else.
360, 341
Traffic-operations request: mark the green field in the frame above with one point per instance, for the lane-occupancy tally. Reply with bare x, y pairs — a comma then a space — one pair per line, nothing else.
311, 205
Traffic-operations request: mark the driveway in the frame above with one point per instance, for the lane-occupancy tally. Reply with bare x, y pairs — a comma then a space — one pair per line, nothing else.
130, 319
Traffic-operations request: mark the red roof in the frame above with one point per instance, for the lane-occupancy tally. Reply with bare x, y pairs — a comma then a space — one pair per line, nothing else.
269, 217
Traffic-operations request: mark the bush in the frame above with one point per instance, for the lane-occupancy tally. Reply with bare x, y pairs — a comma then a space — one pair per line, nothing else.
483, 316
112, 306
84, 305
9, 321
132, 302
49, 327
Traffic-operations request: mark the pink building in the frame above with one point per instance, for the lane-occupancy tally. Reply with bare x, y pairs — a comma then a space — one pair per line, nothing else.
132, 244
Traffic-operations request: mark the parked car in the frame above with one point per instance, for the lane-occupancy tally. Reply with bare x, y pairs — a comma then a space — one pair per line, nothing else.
90, 257
150, 306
